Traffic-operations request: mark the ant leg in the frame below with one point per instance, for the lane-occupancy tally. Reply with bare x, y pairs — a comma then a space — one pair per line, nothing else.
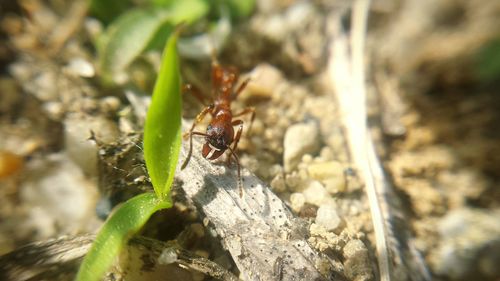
189, 88
238, 133
237, 136
240, 182
247, 110
199, 118
241, 88
190, 133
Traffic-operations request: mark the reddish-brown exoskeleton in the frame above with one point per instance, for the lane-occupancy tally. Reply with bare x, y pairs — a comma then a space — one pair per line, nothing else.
220, 134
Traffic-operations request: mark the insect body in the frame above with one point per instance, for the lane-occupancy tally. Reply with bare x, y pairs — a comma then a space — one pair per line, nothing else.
220, 134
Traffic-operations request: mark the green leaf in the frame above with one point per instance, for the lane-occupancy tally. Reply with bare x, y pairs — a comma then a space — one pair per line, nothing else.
132, 32
240, 8
126, 221
488, 62
107, 10
162, 3
162, 132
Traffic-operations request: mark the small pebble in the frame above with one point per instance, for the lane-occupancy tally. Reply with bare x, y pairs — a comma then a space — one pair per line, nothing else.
328, 218
308, 211
297, 14
168, 256
326, 153
80, 67
316, 193
322, 171
275, 27
335, 185
357, 264
307, 158
110, 104
265, 79
77, 130
469, 244
54, 109
278, 183
300, 139
293, 182
61, 199
44, 86
297, 200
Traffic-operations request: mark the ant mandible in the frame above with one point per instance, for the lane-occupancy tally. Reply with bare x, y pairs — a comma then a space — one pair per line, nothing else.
220, 134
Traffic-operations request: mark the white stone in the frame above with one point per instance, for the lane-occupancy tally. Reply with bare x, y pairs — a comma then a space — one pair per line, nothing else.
168, 256
80, 67
316, 193
299, 13
59, 196
77, 128
335, 185
328, 218
325, 170
278, 183
300, 139
265, 78
467, 236
297, 201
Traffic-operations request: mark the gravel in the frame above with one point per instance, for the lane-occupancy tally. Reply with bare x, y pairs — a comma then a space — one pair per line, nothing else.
60, 198
316, 194
328, 218
357, 265
471, 245
300, 139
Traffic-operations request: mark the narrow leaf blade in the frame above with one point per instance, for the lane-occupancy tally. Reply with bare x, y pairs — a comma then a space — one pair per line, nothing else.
132, 33
162, 132
126, 221
240, 8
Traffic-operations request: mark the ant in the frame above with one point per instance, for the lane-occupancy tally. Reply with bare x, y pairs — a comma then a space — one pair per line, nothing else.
220, 133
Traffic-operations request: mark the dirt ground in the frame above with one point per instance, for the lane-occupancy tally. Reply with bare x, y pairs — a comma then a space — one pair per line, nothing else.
435, 119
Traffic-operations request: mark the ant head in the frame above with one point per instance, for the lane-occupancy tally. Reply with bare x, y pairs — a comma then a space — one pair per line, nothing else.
211, 153
219, 133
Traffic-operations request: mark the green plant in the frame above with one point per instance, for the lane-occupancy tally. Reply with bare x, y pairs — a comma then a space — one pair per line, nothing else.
130, 32
141, 29
162, 139
487, 65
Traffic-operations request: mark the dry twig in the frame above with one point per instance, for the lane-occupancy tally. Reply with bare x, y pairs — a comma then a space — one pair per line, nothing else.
263, 237
397, 257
